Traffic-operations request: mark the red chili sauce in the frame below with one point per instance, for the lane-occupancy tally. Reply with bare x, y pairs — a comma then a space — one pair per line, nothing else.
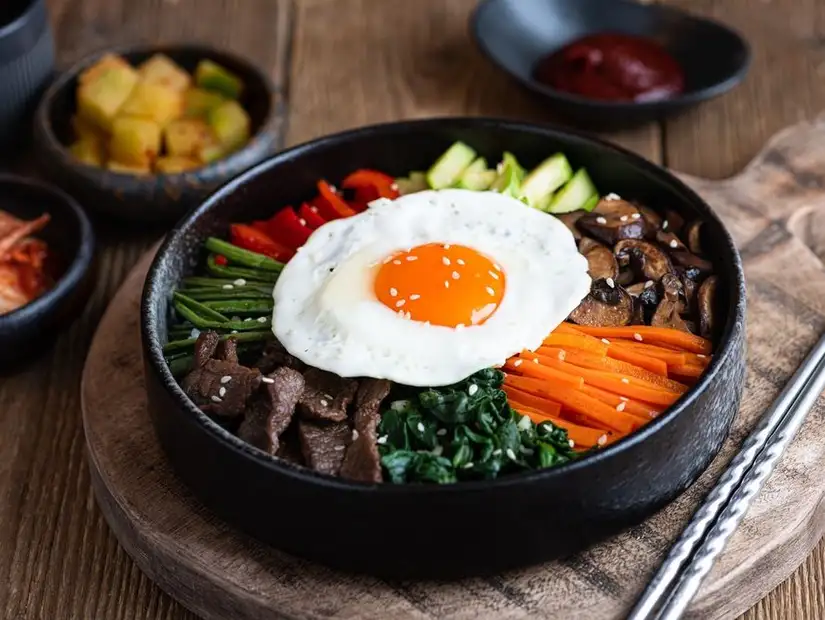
613, 67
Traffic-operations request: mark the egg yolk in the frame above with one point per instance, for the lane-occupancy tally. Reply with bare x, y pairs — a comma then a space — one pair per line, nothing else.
442, 284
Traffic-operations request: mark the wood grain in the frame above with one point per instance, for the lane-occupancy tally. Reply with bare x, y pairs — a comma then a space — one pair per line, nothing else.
353, 62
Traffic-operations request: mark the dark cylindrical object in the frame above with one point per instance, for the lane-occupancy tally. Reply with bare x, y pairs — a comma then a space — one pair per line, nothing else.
26, 63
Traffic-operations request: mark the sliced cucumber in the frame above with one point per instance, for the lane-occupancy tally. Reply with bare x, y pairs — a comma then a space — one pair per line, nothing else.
538, 186
477, 176
416, 182
510, 176
579, 193
450, 166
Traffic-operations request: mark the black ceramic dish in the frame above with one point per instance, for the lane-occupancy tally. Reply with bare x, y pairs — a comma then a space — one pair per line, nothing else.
27, 331
516, 34
156, 198
456, 529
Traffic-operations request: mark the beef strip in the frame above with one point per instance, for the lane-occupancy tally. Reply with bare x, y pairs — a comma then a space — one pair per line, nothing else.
326, 396
227, 350
289, 446
362, 461
219, 387
274, 356
323, 445
271, 412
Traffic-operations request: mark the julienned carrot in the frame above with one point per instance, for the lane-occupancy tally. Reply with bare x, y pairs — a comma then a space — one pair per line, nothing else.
690, 371
653, 335
669, 356
546, 406
586, 360
639, 409
584, 405
568, 328
576, 341
551, 376
637, 359
696, 359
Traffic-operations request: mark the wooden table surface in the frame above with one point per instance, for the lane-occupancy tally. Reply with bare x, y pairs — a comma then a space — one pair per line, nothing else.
336, 64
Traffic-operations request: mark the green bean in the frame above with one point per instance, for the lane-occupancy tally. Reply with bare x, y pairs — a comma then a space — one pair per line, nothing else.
203, 310
180, 365
209, 294
241, 306
183, 345
243, 257
238, 284
203, 323
226, 271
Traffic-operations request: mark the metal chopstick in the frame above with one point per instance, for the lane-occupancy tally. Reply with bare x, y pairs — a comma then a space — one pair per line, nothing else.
705, 556
670, 570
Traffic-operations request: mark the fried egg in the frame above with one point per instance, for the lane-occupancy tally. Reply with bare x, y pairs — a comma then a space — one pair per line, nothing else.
429, 288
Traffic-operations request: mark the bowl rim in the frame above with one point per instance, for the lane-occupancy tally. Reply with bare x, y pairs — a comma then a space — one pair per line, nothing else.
687, 98
153, 350
79, 266
66, 77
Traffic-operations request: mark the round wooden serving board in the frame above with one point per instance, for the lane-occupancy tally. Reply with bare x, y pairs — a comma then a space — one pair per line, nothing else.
220, 573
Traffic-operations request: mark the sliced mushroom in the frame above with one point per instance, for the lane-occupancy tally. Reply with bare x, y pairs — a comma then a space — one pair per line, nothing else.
570, 219
691, 261
653, 219
612, 221
646, 297
586, 244
670, 241
605, 306
673, 222
706, 302
672, 288
693, 234
689, 286
668, 315
638, 317
602, 264
646, 259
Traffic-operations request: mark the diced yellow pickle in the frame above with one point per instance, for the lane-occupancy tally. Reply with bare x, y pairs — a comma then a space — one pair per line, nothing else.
186, 137
135, 141
116, 166
152, 101
230, 122
84, 130
175, 165
198, 102
212, 152
107, 61
211, 76
89, 151
99, 100
163, 71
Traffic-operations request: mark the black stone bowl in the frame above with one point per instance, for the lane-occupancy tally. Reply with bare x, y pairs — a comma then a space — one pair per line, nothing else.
470, 527
516, 34
154, 198
28, 331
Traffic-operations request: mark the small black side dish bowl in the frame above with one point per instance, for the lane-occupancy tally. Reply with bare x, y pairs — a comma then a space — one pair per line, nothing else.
470, 527
516, 34
27, 331
153, 198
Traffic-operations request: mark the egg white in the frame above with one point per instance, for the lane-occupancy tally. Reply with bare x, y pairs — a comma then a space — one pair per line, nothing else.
326, 313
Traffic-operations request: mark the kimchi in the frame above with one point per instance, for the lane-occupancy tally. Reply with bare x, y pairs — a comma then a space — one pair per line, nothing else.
24, 274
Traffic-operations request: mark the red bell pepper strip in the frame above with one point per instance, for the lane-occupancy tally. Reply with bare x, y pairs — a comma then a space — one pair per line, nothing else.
286, 228
254, 240
262, 226
370, 185
332, 206
311, 216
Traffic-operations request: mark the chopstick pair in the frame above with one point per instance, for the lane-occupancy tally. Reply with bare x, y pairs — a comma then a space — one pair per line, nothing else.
676, 582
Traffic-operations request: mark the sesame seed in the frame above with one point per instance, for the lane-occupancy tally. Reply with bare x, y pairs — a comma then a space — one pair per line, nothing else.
612, 196
228, 287
497, 452
621, 406
602, 440
490, 290
510, 454
222, 392
234, 331
420, 427
468, 465
636, 216
664, 225
216, 398
674, 243
562, 355
517, 363
624, 398
446, 246
340, 448
267, 380
412, 258
400, 303
408, 316
493, 274
610, 283
460, 262
396, 262
393, 292
441, 432
381, 440
414, 296
328, 396
303, 221
699, 355
247, 319
226, 378
638, 337
446, 284
625, 380
535, 360
354, 434
605, 340
445, 260
472, 389
324, 403
262, 319
460, 326
623, 218
394, 186
314, 209
649, 283
456, 275
239, 282
571, 443
601, 220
